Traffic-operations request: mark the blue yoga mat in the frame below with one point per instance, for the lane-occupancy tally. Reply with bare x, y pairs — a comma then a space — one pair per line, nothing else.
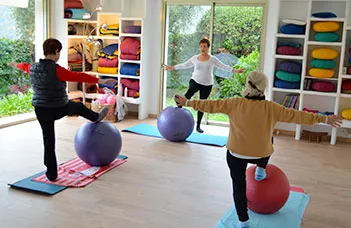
150, 130
290, 216
44, 188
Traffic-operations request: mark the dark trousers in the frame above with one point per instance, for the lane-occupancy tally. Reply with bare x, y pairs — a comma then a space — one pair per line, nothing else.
46, 118
204, 94
237, 167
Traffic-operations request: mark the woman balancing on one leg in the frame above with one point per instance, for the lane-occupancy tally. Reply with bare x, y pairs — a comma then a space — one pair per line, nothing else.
50, 99
252, 120
202, 77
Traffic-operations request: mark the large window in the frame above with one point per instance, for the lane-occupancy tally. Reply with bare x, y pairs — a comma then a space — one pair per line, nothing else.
21, 33
232, 29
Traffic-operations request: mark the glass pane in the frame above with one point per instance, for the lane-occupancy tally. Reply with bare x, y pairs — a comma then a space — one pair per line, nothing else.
236, 31
184, 30
16, 45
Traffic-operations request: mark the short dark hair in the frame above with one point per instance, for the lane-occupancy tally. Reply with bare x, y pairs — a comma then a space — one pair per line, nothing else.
50, 46
205, 41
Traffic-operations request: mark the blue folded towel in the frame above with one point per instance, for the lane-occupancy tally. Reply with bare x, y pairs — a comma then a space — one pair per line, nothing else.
130, 69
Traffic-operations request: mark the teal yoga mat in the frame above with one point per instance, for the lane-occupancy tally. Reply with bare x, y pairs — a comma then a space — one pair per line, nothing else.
33, 186
150, 130
290, 216
43, 188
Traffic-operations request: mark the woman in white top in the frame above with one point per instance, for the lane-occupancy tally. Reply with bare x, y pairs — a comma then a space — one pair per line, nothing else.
202, 77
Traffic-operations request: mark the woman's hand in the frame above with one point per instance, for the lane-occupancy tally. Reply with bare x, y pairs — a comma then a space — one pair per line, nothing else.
12, 64
108, 81
335, 121
238, 71
181, 101
168, 67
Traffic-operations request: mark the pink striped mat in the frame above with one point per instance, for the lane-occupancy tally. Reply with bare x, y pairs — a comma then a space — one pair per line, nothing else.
76, 173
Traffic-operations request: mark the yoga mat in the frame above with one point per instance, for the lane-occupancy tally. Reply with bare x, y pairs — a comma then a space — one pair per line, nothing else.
150, 130
51, 188
76, 173
44, 188
290, 216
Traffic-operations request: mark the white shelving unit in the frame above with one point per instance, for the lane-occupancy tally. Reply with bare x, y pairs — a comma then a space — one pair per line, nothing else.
314, 100
82, 36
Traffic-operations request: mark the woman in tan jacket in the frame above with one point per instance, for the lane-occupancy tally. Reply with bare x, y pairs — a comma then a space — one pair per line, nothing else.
252, 121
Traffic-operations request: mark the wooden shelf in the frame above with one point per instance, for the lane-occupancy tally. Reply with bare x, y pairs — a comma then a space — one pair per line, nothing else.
328, 79
107, 37
348, 28
307, 92
75, 94
296, 57
286, 90
336, 19
281, 35
129, 76
345, 95
81, 21
346, 76
129, 61
77, 37
131, 100
325, 43
101, 74
130, 35
346, 124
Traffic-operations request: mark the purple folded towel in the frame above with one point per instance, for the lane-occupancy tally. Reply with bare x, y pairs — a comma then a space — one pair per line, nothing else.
133, 29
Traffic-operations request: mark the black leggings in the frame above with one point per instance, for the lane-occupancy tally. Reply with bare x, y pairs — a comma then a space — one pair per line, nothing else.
237, 167
204, 94
47, 117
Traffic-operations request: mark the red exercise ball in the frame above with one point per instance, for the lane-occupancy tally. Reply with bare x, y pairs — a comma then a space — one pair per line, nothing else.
269, 195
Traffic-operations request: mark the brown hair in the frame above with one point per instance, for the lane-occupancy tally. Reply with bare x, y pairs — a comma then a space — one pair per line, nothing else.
50, 46
205, 41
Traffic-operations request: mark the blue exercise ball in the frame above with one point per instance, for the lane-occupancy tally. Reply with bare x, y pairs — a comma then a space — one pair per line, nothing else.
98, 144
175, 124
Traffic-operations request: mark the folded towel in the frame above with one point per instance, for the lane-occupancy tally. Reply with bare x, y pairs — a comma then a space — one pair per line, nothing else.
105, 62
130, 46
133, 93
112, 29
130, 57
110, 51
133, 29
108, 70
130, 69
76, 13
131, 84
75, 4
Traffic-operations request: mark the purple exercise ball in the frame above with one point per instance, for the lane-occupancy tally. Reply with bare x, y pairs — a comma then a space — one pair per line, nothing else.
98, 144
175, 124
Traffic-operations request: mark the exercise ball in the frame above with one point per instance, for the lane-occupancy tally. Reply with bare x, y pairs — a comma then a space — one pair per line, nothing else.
269, 195
175, 124
98, 144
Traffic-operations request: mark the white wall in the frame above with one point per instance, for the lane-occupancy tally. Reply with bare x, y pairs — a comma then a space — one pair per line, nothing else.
58, 28
40, 30
152, 46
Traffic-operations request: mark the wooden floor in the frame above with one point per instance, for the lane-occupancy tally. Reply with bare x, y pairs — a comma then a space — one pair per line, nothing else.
163, 184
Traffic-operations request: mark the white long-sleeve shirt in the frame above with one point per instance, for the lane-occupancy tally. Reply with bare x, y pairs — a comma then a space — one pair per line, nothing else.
203, 70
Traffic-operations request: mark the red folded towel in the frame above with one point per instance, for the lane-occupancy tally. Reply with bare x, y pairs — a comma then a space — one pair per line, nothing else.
129, 57
73, 4
104, 62
130, 46
131, 84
